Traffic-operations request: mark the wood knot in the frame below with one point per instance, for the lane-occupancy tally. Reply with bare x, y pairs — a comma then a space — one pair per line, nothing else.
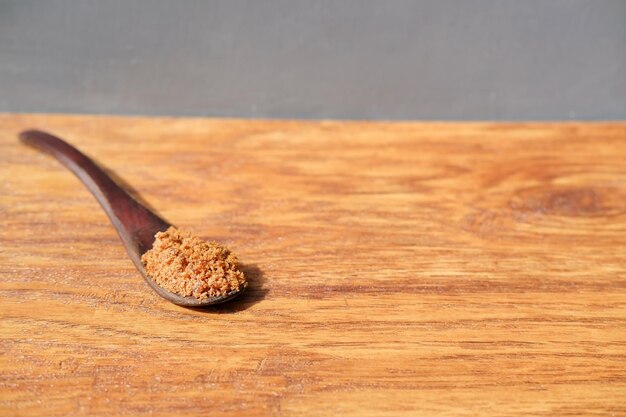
572, 202
485, 222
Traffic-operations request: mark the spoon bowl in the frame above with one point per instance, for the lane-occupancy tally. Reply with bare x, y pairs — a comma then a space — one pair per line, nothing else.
135, 223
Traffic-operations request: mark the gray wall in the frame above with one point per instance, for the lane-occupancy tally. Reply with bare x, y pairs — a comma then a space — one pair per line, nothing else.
365, 59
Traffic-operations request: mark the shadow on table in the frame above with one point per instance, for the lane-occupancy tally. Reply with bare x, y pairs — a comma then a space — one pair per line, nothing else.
255, 293
132, 191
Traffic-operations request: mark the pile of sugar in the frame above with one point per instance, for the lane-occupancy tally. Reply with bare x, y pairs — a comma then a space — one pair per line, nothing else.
188, 266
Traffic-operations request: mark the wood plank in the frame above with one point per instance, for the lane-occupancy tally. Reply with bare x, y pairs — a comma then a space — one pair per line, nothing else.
447, 269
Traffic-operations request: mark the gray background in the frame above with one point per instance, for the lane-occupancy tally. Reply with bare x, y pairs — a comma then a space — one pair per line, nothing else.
366, 59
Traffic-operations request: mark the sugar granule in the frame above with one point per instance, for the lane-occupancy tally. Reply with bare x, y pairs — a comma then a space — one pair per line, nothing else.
189, 266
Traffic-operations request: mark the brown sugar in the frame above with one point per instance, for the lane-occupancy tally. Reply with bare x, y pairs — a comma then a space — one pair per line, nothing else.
189, 266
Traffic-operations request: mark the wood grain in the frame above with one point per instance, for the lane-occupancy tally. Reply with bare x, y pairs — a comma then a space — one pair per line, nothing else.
396, 268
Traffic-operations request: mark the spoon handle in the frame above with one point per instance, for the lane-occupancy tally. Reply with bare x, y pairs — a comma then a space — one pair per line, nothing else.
135, 223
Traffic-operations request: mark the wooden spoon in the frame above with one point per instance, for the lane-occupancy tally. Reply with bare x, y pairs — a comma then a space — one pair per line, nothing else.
135, 224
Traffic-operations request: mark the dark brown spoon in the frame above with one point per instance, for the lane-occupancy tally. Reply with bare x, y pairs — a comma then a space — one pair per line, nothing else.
135, 224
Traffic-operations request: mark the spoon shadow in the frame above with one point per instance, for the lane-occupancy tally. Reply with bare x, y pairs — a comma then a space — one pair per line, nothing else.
254, 293
122, 183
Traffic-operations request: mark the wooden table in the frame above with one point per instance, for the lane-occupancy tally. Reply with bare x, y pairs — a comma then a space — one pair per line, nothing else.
396, 269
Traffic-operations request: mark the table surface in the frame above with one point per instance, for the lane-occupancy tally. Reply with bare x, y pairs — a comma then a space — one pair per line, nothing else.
395, 269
